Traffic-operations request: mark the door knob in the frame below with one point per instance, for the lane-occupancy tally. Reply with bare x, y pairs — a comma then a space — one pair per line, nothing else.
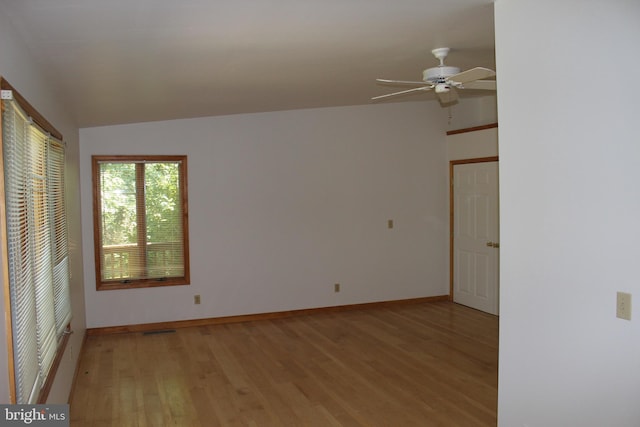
493, 244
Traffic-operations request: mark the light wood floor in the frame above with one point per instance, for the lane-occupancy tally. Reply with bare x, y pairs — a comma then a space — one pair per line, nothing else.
429, 364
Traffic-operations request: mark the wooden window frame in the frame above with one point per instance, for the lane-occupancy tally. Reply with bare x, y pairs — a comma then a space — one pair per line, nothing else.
139, 160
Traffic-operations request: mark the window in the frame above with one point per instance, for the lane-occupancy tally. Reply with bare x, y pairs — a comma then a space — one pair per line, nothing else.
140, 221
35, 231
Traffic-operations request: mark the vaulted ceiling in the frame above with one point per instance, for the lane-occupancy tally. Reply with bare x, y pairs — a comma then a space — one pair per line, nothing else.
122, 61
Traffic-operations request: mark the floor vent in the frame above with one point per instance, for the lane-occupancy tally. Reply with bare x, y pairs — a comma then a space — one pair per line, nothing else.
161, 331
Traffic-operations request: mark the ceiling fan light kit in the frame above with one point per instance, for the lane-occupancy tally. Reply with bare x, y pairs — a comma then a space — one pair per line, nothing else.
442, 79
442, 88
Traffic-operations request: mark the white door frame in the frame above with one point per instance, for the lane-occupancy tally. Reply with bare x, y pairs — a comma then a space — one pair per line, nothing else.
453, 163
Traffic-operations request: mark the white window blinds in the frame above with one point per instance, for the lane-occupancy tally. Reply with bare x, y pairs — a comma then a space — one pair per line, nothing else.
38, 262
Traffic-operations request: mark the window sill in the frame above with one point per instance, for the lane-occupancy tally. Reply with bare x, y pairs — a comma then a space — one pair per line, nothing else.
134, 284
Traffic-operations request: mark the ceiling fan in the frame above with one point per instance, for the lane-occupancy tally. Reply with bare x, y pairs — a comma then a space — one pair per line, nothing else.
445, 80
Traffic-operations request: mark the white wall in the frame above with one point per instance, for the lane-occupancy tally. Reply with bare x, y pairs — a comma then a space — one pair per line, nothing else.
569, 177
470, 145
23, 73
283, 205
470, 112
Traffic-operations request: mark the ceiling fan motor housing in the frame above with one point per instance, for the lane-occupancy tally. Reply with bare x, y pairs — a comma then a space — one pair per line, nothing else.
439, 74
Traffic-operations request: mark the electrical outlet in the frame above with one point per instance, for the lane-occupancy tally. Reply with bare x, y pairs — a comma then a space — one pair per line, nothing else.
623, 306
336, 287
196, 299
389, 223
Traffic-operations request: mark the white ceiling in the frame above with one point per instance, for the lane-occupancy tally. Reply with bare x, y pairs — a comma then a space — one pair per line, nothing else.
122, 61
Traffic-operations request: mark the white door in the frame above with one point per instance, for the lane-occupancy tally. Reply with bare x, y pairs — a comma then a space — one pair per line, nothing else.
476, 253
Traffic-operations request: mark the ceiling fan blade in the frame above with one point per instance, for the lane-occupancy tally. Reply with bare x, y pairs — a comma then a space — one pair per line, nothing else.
477, 73
416, 89
449, 97
481, 84
399, 82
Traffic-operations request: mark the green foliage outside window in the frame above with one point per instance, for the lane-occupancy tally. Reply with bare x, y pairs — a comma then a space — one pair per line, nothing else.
161, 196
